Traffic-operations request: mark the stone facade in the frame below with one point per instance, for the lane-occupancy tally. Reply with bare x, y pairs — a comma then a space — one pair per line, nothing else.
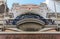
18, 9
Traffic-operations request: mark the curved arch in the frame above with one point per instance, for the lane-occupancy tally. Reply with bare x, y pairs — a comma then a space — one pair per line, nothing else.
29, 15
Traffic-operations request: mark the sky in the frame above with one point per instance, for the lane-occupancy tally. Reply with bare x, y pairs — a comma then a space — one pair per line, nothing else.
10, 2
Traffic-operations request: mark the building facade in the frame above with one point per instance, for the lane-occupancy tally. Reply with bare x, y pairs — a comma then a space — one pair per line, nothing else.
28, 17
23, 13
18, 9
54, 5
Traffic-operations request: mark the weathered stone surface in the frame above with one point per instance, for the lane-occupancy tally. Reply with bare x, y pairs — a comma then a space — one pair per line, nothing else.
2, 8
